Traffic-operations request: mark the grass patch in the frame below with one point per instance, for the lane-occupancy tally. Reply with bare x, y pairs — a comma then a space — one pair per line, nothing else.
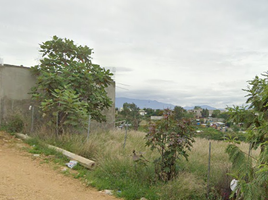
117, 171
186, 186
39, 147
120, 174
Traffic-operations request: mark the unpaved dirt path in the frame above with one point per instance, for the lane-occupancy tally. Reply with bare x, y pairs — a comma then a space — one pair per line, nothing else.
22, 177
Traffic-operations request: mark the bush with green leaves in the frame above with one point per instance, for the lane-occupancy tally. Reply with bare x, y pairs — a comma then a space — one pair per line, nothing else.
69, 85
252, 173
14, 124
171, 139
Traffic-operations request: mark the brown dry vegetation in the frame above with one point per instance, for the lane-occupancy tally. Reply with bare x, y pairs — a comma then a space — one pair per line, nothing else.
107, 149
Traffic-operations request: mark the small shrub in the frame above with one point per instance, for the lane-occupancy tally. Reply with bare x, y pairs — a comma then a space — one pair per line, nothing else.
171, 139
15, 124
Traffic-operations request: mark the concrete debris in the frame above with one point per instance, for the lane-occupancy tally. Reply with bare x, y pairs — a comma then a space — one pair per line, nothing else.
108, 192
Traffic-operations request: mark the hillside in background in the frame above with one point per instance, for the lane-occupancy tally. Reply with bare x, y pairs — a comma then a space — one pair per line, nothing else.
203, 106
119, 101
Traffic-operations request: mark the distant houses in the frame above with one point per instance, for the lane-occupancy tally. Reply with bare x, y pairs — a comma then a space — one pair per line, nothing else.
156, 117
196, 112
142, 112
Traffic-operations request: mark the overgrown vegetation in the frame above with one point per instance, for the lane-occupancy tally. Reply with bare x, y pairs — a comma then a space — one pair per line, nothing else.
13, 124
118, 170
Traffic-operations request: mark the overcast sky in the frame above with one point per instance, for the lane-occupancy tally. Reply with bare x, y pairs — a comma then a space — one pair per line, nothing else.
184, 52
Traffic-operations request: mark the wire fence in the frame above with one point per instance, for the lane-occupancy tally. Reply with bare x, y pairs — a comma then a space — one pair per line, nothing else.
29, 114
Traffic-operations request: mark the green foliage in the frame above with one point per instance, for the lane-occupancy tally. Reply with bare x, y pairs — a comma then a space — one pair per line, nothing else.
255, 117
159, 112
205, 113
132, 181
171, 139
149, 112
216, 113
179, 112
68, 108
68, 84
210, 133
224, 115
39, 147
130, 113
253, 180
14, 124
214, 134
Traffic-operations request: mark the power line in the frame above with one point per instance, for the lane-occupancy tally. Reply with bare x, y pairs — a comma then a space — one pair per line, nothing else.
122, 88
122, 84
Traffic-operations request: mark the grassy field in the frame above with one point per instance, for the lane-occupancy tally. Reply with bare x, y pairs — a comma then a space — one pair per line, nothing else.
117, 170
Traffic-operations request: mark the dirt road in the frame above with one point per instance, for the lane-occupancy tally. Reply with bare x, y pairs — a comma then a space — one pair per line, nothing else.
22, 177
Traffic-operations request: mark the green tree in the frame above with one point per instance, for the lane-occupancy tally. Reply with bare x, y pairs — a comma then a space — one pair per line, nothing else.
68, 85
224, 115
189, 115
158, 112
216, 113
131, 114
179, 112
205, 113
149, 112
197, 107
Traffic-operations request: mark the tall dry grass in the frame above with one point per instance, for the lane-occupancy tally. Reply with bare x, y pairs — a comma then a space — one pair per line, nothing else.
115, 163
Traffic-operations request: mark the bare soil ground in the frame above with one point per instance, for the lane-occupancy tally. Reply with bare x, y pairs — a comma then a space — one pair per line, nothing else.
23, 177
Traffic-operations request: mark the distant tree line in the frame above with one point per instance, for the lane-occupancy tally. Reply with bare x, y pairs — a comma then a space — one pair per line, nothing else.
130, 113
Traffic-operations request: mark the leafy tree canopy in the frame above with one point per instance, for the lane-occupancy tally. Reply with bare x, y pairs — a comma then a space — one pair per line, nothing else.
216, 113
224, 115
179, 112
131, 114
205, 113
68, 84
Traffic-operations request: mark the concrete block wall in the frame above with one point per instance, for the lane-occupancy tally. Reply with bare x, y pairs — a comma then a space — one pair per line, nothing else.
15, 85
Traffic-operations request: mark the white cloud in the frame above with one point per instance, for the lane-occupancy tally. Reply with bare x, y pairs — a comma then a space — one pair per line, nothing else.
180, 52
